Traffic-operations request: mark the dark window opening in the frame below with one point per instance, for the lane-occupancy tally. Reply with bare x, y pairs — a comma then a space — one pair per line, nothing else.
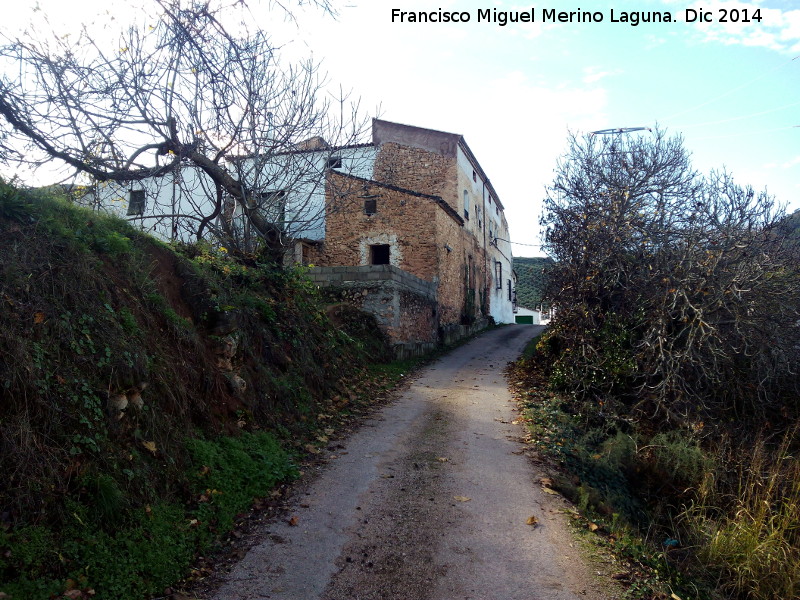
136, 203
379, 254
509, 290
271, 197
370, 206
498, 275
334, 162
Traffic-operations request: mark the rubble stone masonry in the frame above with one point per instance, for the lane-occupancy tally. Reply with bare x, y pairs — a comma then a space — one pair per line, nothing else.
402, 220
413, 204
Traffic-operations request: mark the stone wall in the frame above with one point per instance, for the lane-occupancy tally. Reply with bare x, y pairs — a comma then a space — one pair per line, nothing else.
419, 170
402, 219
404, 305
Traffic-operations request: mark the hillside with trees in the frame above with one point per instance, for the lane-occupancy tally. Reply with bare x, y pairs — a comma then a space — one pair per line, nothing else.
531, 277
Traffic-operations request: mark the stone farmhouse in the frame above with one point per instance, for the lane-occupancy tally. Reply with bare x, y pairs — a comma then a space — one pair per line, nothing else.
407, 227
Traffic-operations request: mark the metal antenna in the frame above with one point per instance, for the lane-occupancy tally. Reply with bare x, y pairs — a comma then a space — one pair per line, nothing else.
618, 131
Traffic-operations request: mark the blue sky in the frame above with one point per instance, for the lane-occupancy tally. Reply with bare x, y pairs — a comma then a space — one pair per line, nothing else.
732, 90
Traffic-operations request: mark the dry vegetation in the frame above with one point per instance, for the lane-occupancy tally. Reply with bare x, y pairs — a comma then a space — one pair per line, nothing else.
673, 359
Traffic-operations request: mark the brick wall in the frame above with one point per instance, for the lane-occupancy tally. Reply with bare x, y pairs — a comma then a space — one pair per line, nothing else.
418, 213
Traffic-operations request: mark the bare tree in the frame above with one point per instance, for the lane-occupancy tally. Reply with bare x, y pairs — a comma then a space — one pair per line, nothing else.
179, 98
675, 292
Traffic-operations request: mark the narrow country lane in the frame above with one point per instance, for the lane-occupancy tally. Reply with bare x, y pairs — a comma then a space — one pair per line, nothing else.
429, 500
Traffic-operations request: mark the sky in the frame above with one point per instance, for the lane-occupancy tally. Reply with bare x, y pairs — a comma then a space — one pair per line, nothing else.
732, 90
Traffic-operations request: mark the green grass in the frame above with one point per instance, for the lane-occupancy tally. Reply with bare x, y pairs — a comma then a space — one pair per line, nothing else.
120, 551
119, 501
730, 513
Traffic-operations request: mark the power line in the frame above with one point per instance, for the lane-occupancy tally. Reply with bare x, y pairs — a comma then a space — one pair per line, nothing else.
516, 243
731, 91
758, 114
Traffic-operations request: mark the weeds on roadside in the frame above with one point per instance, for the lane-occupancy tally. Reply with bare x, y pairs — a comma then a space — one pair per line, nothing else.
719, 521
745, 524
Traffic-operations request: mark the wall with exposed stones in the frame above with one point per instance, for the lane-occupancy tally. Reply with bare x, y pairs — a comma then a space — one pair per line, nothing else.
403, 220
404, 305
428, 201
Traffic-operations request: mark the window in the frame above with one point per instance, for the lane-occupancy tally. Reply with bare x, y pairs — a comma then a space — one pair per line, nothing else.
379, 254
466, 204
334, 162
267, 199
136, 203
370, 206
509, 290
474, 176
498, 275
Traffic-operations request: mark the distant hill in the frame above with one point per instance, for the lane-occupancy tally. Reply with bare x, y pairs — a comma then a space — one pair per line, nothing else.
530, 280
791, 224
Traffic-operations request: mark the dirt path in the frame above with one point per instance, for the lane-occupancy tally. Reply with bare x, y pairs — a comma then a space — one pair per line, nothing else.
429, 500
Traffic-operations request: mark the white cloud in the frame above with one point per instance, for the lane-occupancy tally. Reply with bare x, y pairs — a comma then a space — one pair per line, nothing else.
776, 29
794, 162
594, 74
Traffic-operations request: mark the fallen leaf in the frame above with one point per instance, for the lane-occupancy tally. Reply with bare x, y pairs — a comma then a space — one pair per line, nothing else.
550, 491
442, 459
294, 521
151, 446
462, 498
532, 521
38, 318
675, 597
593, 526
546, 481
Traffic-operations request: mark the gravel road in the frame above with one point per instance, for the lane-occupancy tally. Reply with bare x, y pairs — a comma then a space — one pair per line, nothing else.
429, 500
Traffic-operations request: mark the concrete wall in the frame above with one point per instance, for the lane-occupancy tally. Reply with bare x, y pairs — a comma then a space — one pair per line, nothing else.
404, 305
535, 314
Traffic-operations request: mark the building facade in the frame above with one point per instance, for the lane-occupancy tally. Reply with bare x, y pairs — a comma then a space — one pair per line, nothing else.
427, 208
408, 226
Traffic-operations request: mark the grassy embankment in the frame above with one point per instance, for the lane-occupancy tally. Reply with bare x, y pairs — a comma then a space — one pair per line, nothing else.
149, 395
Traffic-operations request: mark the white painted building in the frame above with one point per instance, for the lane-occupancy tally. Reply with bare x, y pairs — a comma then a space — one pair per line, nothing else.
289, 189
